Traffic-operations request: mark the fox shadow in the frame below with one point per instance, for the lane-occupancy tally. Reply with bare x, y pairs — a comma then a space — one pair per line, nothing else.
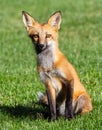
20, 111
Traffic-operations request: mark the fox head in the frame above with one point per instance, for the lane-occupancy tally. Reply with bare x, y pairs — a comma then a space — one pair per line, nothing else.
43, 35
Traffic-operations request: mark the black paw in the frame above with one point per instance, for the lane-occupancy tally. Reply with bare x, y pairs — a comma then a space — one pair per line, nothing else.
53, 118
69, 117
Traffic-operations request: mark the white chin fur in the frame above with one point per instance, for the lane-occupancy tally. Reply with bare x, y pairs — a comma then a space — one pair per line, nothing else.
51, 44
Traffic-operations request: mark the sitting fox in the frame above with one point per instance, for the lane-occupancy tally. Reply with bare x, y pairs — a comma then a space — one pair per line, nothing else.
64, 92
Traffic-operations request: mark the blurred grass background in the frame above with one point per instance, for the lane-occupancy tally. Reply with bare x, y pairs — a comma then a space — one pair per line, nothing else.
80, 39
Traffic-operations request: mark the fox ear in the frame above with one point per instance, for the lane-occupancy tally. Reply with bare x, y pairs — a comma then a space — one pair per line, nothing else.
55, 19
27, 20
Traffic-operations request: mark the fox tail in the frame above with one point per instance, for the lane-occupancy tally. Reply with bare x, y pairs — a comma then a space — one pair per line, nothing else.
42, 97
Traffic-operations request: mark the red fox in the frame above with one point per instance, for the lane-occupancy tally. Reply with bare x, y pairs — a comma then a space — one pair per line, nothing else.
64, 92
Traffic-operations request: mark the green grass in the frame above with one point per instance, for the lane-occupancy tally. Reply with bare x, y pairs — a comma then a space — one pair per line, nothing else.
80, 40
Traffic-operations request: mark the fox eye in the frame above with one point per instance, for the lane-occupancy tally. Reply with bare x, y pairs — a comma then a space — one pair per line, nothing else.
48, 35
35, 36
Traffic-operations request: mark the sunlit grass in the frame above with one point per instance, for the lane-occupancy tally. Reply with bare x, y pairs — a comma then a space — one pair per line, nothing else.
80, 39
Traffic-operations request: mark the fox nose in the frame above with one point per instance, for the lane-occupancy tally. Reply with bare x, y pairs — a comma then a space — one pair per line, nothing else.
41, 45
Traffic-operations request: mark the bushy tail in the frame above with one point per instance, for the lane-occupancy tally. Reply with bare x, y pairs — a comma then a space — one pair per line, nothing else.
43, 98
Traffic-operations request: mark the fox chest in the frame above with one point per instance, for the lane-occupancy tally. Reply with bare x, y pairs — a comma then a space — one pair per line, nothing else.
48, 72
45, 60
45, 66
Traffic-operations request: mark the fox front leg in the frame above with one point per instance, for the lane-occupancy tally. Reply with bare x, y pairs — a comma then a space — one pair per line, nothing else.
69, 113
51, 100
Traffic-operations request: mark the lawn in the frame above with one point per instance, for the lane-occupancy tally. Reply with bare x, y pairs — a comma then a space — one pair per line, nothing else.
80, 39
